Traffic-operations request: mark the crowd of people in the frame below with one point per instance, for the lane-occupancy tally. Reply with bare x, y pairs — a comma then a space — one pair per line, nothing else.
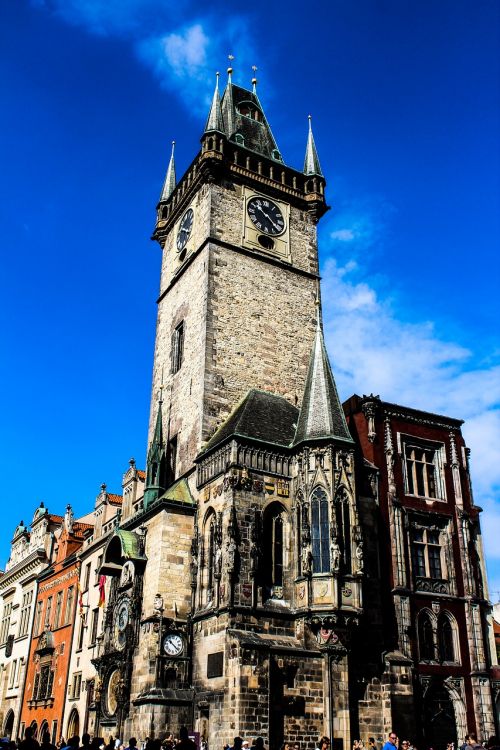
183, 742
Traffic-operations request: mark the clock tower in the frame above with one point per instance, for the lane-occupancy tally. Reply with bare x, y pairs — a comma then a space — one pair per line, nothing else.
239, 276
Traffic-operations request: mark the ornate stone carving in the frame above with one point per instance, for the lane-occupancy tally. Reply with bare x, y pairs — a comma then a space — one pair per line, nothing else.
369, 410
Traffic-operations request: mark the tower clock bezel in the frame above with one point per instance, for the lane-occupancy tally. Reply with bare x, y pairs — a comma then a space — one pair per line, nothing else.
275, 243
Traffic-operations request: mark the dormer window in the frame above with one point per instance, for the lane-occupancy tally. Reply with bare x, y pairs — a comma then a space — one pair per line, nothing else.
239, 139
276, 155
248, 109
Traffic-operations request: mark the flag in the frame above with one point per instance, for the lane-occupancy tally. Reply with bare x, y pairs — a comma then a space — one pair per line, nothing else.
102, 593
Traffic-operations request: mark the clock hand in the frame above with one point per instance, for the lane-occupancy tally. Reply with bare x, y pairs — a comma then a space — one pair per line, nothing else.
270, 219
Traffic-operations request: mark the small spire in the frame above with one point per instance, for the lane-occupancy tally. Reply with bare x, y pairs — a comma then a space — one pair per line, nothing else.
214, 120
170, 180
254, 80
311, 162
321, 415
230, 68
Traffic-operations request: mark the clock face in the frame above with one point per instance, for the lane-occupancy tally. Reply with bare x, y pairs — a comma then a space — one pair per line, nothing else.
121, 619
266, 215
111, 702
173, 644
185, 228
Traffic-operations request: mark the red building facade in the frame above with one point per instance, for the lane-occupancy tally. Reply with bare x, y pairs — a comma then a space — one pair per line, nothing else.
437, 618
54, 627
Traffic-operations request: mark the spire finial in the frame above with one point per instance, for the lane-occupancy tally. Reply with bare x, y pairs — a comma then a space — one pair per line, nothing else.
254, 79
230, 68
214, 120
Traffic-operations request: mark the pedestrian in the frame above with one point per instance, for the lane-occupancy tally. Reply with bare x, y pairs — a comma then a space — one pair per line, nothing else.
132, 744
472, 743
237, 744
184, 742
29, 743
371, 743
392, 741
323, 743
46, 744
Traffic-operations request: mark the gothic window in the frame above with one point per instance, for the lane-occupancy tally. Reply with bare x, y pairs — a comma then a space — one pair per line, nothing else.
209, 547
425, 637
424, 470
320, 531
43, 683
343, 520
273, 546
177, 348
171, 460
445, 638
427, 554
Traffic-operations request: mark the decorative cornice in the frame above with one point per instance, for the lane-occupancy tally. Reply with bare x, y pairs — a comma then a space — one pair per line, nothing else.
28, 565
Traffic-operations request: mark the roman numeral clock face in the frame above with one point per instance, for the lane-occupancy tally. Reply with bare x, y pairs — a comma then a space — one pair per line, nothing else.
266, 216
185, 228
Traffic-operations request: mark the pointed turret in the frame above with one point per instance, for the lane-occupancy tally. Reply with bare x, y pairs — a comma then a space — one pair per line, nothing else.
155, 470
321, 414
170, 181
214, 120
311, 161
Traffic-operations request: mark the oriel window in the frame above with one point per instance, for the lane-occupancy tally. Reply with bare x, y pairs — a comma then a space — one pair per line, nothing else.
424, 470
425, 638
320, 527
177, 348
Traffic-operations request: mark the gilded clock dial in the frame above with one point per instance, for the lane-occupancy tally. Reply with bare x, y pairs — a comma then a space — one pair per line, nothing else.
185, 228
266, 215
172, 644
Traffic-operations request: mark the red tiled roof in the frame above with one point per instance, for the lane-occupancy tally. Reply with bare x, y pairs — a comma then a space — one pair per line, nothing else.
79, 529
56, 519
141, 473
115, 499
496, 627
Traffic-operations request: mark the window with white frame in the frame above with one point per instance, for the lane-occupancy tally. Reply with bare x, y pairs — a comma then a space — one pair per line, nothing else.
426, 550
24, 618
424, 469
5, 625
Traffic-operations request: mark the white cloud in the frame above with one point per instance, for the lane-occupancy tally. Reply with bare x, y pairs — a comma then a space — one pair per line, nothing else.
373, 351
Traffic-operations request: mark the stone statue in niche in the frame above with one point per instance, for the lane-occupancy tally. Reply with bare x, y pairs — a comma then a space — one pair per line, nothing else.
359, 557
231, 555
218, 562
306, 560
127, 575
335, 554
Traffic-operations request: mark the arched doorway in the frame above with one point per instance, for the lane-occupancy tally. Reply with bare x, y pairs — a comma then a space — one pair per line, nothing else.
34, 728
73, 724
8, 726
439, 721
44, 727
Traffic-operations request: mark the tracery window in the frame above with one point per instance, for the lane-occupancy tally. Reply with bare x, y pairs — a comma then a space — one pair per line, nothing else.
343, 520
273, 547
320, 528
209, 544
445, 638
424, 469
425, 637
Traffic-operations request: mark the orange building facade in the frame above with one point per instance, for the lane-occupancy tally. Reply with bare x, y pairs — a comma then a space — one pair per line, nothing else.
57, 621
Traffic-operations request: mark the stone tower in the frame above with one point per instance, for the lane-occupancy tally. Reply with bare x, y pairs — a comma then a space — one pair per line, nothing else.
239, 275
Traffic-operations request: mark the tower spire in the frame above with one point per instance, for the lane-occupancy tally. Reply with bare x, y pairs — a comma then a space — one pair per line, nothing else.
311, 161
155, 469
170, 181
321, 414
214, 120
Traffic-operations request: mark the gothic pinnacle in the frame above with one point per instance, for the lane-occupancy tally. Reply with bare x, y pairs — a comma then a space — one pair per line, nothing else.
311, 161
214, 120
170, 180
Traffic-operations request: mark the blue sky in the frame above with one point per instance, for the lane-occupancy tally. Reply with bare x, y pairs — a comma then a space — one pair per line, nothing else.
404, 98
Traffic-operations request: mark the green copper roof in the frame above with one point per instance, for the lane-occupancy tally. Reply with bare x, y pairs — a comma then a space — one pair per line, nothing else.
129, 544
321, 414
170, 180
179, 492
245, 122
311, 161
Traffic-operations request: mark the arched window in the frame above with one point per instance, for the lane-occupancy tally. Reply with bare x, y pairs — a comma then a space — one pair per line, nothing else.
320, 527
273, 547
209, 545
425, 637
445, 638
343, 519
